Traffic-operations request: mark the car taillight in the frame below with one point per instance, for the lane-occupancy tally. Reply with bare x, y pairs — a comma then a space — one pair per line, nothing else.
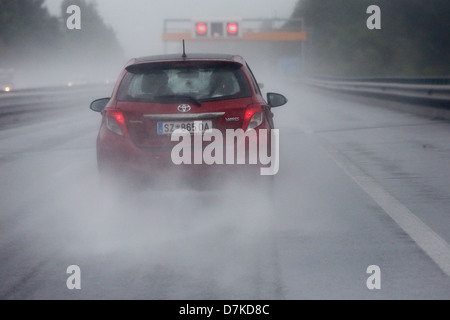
115, 122
253, 117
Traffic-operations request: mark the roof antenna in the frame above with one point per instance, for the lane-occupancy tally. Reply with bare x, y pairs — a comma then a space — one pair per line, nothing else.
184, 51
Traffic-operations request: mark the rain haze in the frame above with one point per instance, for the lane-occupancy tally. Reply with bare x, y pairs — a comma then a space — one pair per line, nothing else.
359, 208
139, 23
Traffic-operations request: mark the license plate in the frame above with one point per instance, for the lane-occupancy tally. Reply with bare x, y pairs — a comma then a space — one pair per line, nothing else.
193, 127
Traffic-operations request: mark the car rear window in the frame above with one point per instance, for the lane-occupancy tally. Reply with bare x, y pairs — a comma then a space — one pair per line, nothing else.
202, 81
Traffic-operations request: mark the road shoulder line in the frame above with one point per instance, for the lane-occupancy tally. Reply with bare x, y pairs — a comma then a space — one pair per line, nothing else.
428, 240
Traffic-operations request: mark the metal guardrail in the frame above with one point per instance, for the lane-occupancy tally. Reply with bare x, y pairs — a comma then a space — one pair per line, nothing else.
435, 91
403, 80
36, 99
28, 105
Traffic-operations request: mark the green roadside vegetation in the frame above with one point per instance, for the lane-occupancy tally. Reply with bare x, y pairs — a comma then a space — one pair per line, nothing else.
414, 39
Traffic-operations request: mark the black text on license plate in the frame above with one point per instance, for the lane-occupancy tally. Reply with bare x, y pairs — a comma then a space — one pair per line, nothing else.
196, 127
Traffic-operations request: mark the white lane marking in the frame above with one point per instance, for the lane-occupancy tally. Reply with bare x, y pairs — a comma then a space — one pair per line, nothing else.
430, 242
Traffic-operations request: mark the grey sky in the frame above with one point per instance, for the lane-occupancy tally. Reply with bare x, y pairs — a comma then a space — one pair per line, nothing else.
139, 23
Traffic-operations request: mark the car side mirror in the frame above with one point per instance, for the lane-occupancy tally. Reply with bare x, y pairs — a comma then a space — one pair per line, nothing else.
276, 99
99, 105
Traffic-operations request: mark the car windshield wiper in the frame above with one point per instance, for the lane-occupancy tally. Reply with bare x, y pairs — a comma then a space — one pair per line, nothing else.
179, 98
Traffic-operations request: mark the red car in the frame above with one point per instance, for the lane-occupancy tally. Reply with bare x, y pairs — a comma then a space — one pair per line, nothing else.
160, 101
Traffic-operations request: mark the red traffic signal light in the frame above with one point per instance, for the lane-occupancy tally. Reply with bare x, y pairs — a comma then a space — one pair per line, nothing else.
216, 29
201, 29
233, 28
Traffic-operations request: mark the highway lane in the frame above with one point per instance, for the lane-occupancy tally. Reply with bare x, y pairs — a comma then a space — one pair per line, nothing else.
314, 241
405, 155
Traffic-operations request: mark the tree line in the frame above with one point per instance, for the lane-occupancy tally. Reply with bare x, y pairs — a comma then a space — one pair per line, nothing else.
414, 39
31, 39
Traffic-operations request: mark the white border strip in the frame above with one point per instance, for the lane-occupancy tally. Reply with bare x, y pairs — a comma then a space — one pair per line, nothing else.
430, 242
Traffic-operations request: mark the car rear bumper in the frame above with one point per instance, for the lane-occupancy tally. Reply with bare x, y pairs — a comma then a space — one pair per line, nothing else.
118, 155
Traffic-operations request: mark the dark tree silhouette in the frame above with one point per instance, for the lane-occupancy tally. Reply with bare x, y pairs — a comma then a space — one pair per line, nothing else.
40, 47
413, 41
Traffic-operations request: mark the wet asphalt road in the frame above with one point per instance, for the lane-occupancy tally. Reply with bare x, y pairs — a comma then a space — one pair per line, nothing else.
346, 169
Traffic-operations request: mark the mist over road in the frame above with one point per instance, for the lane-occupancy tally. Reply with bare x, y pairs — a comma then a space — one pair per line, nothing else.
314, 240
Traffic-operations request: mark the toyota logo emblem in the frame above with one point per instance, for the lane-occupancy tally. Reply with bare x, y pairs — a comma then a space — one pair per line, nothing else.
184, 108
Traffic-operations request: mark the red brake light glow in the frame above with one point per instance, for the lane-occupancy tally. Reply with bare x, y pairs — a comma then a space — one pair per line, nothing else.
119, 117
253, 117
248, 114
115, 122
